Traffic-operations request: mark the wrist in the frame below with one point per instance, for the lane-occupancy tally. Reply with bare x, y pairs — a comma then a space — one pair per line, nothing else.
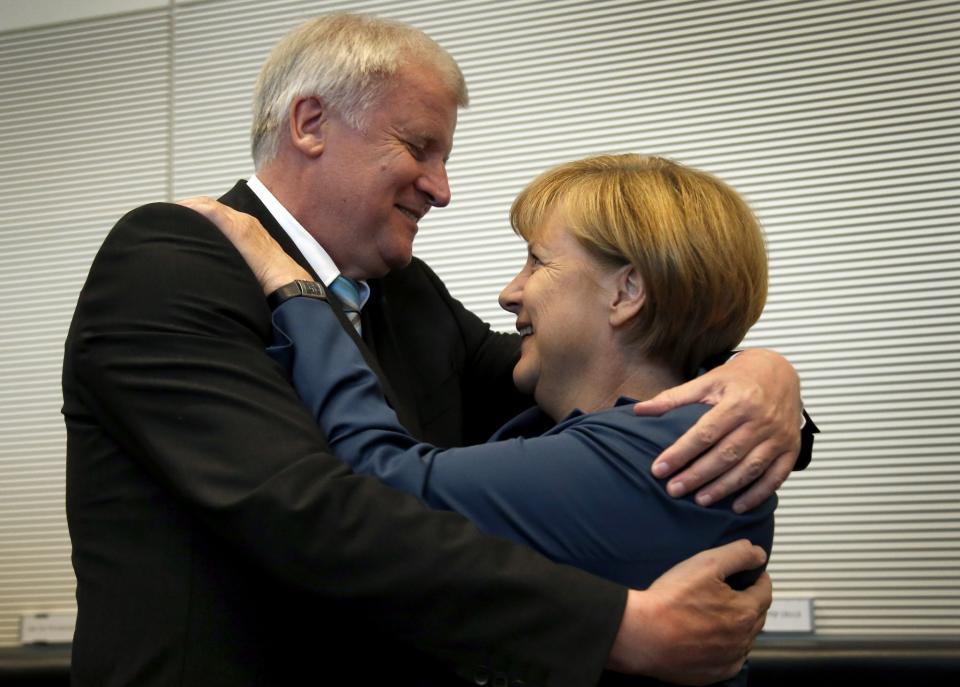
270, 282
299, 287
633, 648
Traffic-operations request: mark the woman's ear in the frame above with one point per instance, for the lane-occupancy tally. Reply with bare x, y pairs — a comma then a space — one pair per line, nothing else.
308, 119
628, 298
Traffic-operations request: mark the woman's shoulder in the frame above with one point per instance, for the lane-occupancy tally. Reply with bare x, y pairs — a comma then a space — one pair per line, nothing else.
661, 430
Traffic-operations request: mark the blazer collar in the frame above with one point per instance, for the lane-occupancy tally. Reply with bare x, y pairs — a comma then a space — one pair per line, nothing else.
241, 198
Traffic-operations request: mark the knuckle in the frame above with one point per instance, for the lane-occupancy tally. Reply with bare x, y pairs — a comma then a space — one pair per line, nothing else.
730, 454
769, 416
708, 434
739, 410
743, 627
753, 470
778, 477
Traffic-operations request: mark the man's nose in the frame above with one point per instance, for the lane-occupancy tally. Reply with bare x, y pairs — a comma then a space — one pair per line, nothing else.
434, 183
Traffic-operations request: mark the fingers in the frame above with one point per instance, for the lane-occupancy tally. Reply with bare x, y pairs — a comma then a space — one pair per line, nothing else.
659, 404
732, 464
695, 391
205, 205
244, 231
269, 263
708, 431
761, 594
761, 591
765, 487
766, 466
736, 557
228, 221
754, 602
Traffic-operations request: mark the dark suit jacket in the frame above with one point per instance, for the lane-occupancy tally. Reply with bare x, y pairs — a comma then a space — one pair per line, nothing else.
216, 541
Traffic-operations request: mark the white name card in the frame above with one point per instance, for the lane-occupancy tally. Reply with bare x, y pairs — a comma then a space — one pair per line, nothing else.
53, 627
790, 615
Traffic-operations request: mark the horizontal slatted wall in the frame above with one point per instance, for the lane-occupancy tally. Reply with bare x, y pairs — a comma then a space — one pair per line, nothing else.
836, 119
865, 299
83, 138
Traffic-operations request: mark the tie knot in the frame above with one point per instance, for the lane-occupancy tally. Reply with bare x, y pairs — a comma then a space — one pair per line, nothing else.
348, 292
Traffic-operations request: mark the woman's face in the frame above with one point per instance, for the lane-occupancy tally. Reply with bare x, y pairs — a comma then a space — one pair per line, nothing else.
561, 299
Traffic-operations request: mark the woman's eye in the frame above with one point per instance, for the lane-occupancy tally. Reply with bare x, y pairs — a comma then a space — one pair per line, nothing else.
535, 261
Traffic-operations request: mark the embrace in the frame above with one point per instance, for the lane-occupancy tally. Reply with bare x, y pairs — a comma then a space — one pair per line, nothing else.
235, 405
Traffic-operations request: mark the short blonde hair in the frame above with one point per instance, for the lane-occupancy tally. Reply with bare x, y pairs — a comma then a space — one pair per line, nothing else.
348, 60
694, 241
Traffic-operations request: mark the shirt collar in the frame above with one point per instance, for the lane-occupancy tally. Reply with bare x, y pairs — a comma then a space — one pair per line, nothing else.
319, 259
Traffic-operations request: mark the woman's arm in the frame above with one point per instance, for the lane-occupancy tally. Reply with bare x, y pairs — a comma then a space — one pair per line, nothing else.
580, 496
505, 488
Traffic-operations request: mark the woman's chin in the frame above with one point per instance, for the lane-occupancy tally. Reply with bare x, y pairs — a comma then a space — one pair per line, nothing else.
524, 384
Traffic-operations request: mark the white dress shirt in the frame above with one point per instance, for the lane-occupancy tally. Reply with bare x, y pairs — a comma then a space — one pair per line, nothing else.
319, 259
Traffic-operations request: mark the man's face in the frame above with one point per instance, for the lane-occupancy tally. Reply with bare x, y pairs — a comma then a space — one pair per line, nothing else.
378, 181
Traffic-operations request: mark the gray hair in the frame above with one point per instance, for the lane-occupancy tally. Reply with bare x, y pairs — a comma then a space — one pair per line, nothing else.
348, 60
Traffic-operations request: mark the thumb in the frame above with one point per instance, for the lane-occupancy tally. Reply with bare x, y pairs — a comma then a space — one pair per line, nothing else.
697, 390
668, 399
737, 556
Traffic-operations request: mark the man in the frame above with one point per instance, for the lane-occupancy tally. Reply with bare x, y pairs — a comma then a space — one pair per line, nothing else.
216, 541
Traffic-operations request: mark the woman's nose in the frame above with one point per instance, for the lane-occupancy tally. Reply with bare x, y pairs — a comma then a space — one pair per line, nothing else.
512, 293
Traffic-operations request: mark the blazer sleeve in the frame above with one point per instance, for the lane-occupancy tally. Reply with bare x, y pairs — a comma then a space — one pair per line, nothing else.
167, 345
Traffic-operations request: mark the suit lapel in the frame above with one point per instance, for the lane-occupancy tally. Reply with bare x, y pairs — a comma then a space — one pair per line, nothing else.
378, 334
241, 198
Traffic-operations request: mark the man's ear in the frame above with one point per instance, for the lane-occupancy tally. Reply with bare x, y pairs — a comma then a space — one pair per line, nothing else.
629, 296
308, 119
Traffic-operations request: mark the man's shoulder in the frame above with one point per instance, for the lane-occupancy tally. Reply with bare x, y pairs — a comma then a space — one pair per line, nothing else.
149, 213
167, 216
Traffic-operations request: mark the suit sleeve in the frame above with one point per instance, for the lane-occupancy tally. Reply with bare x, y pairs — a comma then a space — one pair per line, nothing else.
167, 344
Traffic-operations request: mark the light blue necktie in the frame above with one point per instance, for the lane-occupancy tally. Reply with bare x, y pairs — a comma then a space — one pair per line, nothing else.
349, 294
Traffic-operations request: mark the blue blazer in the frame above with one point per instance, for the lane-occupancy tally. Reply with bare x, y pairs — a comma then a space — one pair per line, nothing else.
581, 492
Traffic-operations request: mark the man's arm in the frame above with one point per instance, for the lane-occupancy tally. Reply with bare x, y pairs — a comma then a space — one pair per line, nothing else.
167, 344
696, 615
511, 488
689, 627
752, 436
640, 645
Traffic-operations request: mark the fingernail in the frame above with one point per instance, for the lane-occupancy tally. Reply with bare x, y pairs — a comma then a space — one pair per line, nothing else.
704, 499
676, 489
739, 507
661, 469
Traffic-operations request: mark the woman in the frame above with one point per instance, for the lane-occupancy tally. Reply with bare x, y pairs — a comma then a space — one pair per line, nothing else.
638, 269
